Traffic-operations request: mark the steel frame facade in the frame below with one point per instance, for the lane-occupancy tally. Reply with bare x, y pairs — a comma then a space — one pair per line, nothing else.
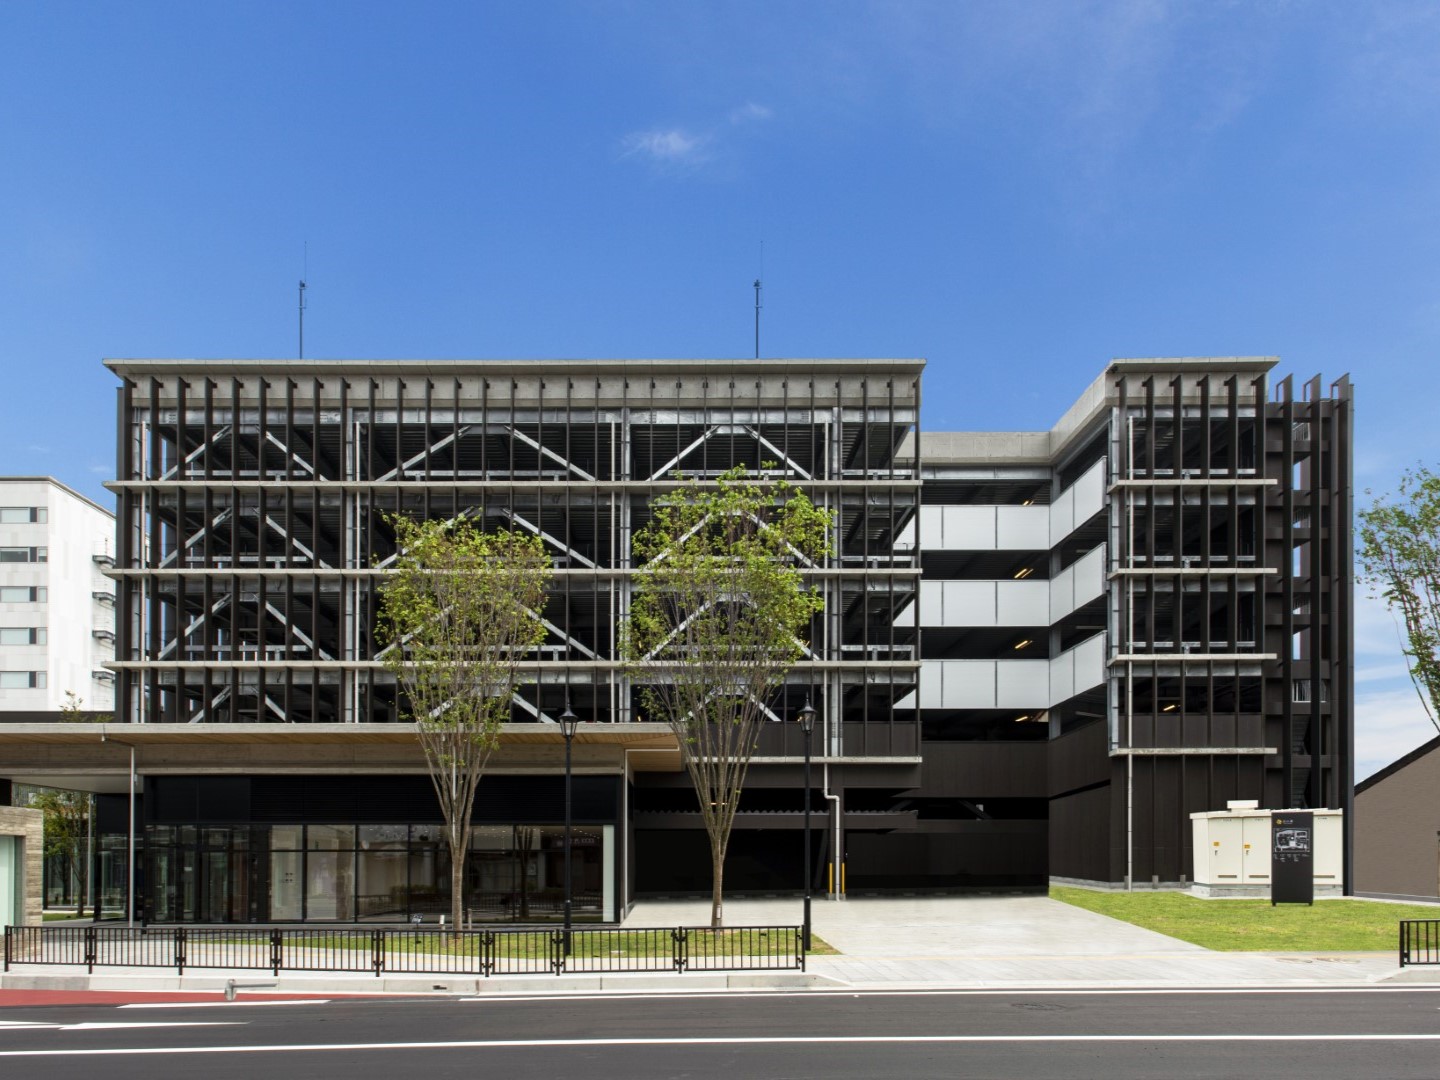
1231, 611
252, 498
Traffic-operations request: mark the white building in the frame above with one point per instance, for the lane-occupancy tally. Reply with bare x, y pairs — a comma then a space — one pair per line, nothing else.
57, 609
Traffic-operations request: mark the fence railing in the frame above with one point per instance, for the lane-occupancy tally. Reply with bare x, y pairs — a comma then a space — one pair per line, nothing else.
1419, 942
415, 950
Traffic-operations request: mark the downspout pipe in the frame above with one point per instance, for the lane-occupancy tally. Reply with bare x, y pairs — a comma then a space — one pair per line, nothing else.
130, 900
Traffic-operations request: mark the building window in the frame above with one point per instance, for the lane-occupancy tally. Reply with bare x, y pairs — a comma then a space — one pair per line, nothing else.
22, 635
24, 554
22, 594
22, 680
23, 515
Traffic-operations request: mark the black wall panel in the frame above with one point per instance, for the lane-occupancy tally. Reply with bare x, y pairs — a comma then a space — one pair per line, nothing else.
186, 800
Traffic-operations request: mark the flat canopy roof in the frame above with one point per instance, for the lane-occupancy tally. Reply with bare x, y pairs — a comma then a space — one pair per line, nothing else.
799, 366
647, 736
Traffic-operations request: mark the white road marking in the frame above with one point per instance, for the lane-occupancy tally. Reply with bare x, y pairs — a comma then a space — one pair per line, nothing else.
100, 1026
35, 1025
1036, 991
218, 1004
780, 1040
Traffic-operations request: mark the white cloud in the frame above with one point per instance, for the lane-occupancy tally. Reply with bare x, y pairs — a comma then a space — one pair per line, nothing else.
749, 112
1390, 720
672, 146
690, 147
1388, 725
1378, 636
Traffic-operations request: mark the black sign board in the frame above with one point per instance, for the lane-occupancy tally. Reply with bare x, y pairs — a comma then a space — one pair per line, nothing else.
1292, 858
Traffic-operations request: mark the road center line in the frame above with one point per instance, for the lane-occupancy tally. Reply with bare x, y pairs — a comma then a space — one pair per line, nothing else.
777, 1040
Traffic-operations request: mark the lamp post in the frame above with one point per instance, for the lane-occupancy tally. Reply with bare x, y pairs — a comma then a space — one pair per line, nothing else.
568, 722
806, 716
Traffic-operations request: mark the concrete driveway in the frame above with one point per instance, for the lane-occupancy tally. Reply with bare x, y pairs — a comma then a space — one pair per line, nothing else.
1011, 941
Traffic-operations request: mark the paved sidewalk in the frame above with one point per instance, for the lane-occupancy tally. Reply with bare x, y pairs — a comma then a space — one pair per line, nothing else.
980, 942
997, 941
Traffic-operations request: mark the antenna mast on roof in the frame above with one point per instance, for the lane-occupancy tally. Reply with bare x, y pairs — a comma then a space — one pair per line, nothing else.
757, 300
304, 273
757, 318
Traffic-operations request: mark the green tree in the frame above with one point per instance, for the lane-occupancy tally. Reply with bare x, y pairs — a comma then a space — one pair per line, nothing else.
460, 610
1400, 557
68, 813
719, 613
67, 825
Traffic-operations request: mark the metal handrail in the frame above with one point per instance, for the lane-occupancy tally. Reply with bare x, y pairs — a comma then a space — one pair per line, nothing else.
1419, 942
412, 950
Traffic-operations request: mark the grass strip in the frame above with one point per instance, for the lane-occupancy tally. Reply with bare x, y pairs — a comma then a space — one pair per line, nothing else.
1339, 925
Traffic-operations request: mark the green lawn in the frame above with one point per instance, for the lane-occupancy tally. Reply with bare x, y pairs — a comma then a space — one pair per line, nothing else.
1254, 925
820, 947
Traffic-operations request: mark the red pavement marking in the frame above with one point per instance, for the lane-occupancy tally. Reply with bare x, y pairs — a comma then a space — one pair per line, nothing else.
17, 998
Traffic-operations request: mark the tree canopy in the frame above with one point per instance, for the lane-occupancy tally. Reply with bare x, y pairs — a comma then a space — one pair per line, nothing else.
1400, 557
720, 612
461, 610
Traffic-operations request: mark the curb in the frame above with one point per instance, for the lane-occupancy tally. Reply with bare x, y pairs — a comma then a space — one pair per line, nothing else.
290, 983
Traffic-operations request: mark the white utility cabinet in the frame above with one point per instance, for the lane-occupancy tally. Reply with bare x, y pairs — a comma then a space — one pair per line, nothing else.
1232, 850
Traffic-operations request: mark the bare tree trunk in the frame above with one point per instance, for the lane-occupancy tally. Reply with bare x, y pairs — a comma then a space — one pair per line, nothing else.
457, 885
717, 886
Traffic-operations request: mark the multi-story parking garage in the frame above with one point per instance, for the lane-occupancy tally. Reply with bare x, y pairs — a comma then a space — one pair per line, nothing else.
1039, 651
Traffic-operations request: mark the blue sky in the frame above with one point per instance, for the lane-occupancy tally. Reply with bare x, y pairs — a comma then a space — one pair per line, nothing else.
1017, 192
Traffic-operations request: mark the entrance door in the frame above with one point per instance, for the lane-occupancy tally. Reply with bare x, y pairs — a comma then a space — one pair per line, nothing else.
215, 887
173, 884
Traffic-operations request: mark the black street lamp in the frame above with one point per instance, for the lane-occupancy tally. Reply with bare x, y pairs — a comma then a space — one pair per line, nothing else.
568, 722
806, 716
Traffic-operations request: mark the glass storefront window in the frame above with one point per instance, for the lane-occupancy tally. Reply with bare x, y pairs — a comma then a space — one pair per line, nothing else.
330, 837
293, 873
381, 887
329, 884
492, 837
374, 837
426, 834
285, 899
429, 880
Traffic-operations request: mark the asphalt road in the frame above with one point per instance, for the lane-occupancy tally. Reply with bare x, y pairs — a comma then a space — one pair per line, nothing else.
1375, 1032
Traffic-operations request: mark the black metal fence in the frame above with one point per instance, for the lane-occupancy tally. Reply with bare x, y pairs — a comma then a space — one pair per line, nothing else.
415, 950
1419, 941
